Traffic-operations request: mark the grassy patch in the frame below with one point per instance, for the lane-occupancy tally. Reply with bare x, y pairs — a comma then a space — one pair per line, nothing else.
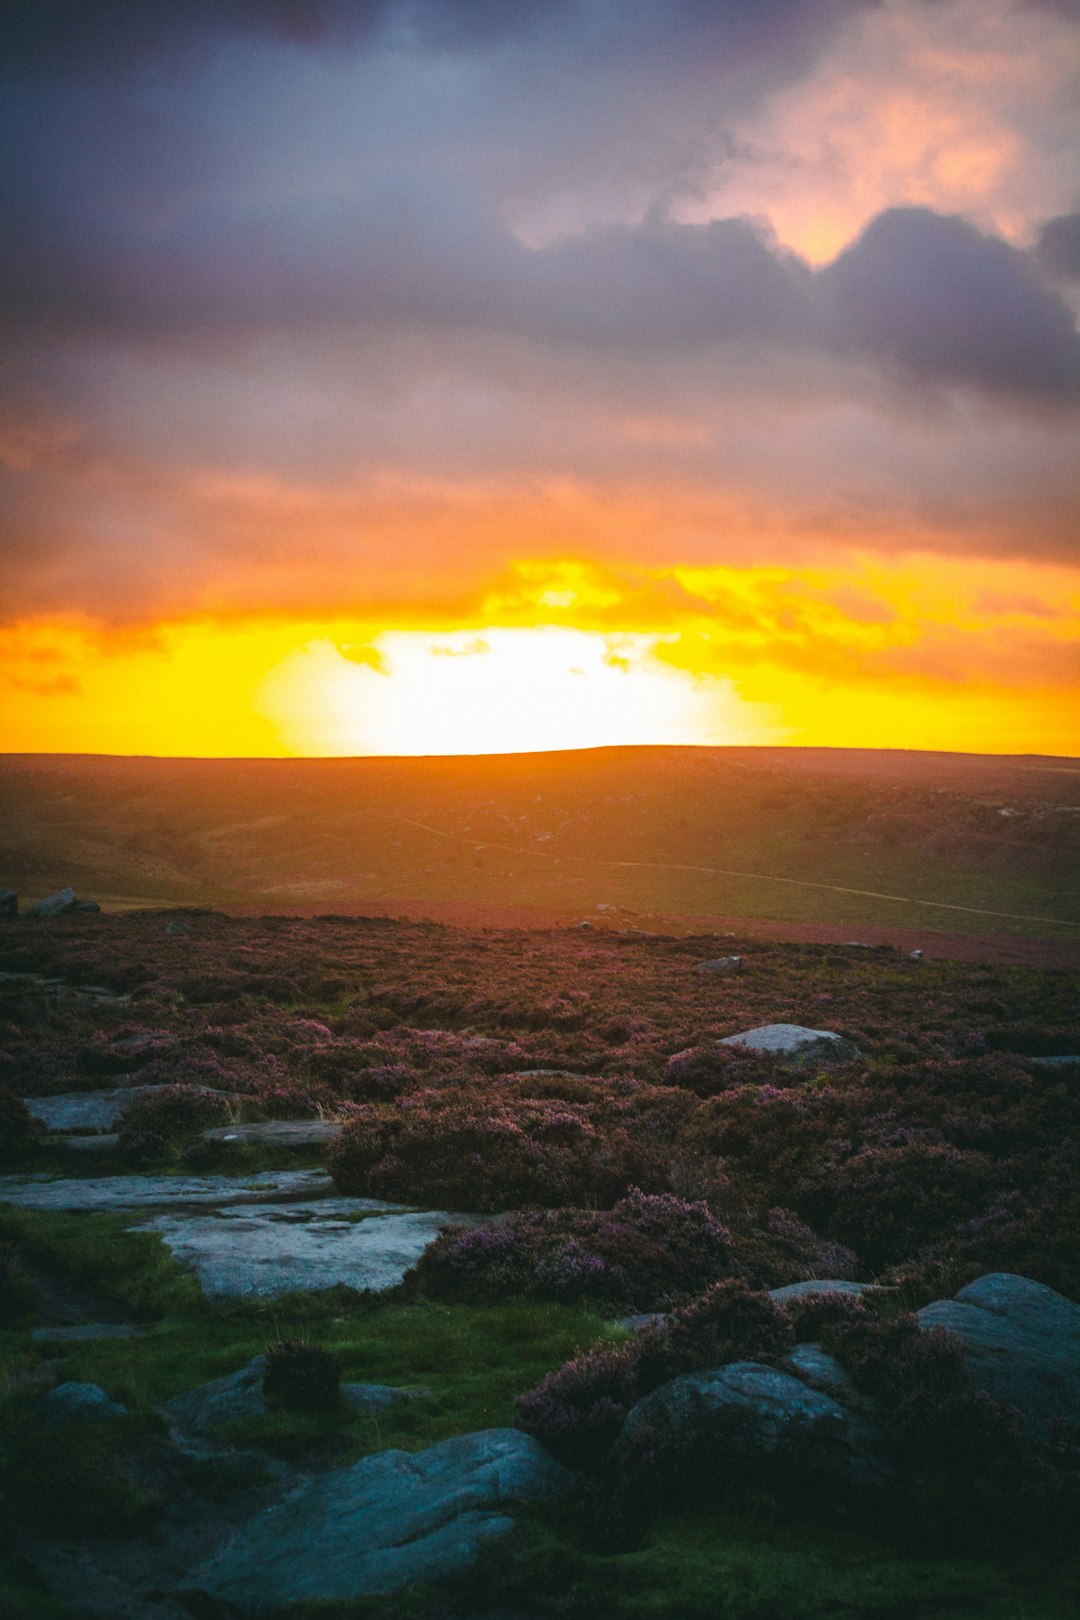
726, 1564
132, 1271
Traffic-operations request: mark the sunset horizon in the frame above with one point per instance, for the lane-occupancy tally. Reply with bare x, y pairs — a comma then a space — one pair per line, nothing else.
416, 377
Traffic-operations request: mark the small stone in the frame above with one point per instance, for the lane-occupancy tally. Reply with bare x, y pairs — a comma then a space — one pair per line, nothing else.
720, 964
285, 1133
377, 1397
82, 1403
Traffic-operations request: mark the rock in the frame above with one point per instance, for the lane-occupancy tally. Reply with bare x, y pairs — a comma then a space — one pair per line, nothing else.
179, 925
545, 1074
753, 1411
388, 1521
278, 1132
643, 1319
9, 903
54, 904
85, 906
82, 1403
1071, 1061
85, 1110
821, 1371
377, 1397
262, 1252
97, 1142
795, 1044
230, 1399
720, 964
85, 1331
169, 1192
240, 1395
819, 1285
1021, 1344
307, 1029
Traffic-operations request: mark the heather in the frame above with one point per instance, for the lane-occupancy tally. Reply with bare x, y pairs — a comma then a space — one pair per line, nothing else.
566, 1088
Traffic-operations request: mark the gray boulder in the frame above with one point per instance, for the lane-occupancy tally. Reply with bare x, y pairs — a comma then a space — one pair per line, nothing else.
720, 964
374, 1398
795, 1044
388, 1521
84, 1110
54, 904
752, 1411
83, 1403
1021, 1344
9, 903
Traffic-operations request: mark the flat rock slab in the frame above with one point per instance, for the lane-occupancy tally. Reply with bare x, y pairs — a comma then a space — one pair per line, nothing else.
83, 1331
1021, 1344
820, 1285
104, 1193
265, 1251
85, 1110
796, 1044
278, 1132
386, 1522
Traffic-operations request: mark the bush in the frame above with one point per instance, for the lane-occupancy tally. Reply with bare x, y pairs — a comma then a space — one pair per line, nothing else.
167, 1118
576, 1413
730, 1322
648, 1252
301, 1377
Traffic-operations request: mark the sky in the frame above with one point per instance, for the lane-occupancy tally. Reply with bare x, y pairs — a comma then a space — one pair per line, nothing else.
425, 376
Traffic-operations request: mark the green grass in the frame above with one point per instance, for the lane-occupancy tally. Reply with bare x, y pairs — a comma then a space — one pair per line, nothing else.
761, 1563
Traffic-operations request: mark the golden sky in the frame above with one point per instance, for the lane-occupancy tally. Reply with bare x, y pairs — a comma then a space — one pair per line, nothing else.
412, 377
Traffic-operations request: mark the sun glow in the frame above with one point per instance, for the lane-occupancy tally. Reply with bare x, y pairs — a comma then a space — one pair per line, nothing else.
494, 691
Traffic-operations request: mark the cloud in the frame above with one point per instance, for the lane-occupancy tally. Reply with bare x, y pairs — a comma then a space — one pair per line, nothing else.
1058, 246
951, 305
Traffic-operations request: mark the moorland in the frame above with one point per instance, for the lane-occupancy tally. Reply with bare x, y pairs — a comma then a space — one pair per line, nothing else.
567, 1089
670, 838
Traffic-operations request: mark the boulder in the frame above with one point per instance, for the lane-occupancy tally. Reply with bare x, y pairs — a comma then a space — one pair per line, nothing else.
9, 903
720, 964
81, 1403
85, 906
795, 1044
388, 1521
750, 1411
54, 904
1021, 1344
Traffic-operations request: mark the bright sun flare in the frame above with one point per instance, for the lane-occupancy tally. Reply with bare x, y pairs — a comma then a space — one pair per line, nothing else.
491, 691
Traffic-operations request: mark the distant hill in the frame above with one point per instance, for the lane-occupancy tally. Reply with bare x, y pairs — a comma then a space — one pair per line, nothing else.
845, 837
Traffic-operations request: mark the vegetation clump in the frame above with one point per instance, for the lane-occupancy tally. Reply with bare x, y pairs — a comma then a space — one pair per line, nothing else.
301, 1377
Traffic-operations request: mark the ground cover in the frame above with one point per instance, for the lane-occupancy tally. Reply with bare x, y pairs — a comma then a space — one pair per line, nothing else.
572, 1078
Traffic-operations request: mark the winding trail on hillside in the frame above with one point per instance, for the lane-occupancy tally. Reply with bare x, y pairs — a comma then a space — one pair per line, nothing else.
725, 871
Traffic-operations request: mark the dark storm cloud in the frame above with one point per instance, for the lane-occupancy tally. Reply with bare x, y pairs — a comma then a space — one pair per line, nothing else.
951, 305
1058, 246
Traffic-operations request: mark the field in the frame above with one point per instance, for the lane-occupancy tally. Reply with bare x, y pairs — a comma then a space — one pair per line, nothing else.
849, 843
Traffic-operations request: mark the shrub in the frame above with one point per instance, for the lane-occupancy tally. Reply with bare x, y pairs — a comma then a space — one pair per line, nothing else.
577, 1412
648, 1252
301, 1377
730, 1322
167, 1118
